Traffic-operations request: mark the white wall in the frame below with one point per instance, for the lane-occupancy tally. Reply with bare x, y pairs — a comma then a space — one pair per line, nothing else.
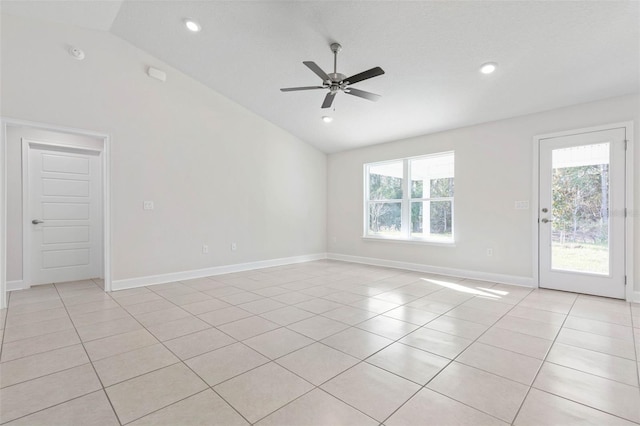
220, 174
217, 172
14, 185
493, 170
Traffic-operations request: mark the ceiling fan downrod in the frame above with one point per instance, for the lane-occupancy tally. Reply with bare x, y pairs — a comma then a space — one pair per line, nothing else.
335, 77
335, 48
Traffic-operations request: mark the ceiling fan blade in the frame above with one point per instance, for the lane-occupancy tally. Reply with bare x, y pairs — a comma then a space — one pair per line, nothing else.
293, 89
328, 100
373, 72
316, 69
362, 94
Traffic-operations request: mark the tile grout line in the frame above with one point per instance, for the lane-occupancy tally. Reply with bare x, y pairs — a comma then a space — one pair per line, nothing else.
393, 342
360, 361
90, 360
454, 359
58, 404
4, 324
584, 372
543, 361
179, 362
348, 326
275, 361
39, 335
173, 403
635, 345
274, 283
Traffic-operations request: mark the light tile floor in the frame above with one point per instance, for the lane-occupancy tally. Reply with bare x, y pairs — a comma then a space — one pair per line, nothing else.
319, 343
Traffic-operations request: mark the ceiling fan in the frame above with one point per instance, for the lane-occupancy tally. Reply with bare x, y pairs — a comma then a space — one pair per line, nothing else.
336, 82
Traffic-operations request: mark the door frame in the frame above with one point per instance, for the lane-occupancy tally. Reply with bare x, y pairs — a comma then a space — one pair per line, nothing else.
6, 122
628, 234
27, 231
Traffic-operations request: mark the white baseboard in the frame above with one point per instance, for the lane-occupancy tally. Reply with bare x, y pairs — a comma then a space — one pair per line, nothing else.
207, 272
460, 273
636, 297
15, 285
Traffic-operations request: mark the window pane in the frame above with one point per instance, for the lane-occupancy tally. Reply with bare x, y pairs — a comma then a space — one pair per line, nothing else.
441, 188
432, 177
431, 218
441, 218
385, 181
417, 219
385, 218
580, 227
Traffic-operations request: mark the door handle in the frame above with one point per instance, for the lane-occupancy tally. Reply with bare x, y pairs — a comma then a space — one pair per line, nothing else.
36, 221
545, 220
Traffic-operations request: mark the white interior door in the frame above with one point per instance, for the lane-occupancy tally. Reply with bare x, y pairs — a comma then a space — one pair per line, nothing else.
582, 213
63, 231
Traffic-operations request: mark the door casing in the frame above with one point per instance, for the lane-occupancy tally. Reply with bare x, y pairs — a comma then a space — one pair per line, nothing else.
6, 122
629, 225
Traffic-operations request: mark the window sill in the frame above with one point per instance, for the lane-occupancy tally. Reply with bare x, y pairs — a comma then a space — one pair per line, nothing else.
451, 244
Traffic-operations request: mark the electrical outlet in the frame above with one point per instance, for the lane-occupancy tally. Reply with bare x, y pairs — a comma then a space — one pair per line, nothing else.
147, 205
205, 249
234, 247
489, 252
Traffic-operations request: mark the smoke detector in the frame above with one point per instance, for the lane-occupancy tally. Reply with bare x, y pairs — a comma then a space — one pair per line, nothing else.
76, 52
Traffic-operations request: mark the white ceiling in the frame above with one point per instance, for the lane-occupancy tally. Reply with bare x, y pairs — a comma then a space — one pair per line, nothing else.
92, 14
550, 54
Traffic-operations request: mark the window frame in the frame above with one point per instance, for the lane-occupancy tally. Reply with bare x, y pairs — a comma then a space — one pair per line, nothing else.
406, 203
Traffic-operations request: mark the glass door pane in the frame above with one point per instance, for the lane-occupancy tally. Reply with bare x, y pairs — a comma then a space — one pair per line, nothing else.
580, 209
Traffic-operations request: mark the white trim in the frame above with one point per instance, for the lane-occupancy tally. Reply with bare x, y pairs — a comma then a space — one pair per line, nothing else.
15, 285
106, 196
106, 213
452, 272
631, 214
631, 295
207, 272
535, 208
41, 144
451, 244
26, 230
3, 215
636, 297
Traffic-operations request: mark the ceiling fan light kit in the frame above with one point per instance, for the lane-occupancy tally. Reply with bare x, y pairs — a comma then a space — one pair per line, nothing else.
337, 82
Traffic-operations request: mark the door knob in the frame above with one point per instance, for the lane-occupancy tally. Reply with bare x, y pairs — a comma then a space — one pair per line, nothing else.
545, 220
36, 221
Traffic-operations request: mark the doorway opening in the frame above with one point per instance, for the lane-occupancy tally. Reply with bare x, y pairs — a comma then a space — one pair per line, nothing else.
55, 206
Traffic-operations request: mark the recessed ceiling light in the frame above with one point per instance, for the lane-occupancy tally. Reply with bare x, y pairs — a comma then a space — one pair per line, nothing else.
488, 68
327, 119
192, 25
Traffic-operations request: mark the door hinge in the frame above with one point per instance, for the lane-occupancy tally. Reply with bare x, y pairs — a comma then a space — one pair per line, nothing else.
625, 144
625, 212
625, 280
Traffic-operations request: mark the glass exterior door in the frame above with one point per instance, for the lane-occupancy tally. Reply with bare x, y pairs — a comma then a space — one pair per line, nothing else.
581, 213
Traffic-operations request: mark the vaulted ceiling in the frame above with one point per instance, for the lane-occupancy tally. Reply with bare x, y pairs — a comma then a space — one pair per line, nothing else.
549, 55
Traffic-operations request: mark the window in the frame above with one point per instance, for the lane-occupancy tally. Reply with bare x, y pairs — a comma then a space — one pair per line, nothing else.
410, 198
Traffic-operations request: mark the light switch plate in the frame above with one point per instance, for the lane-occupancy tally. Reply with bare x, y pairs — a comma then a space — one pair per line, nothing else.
147, 205
522, 205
